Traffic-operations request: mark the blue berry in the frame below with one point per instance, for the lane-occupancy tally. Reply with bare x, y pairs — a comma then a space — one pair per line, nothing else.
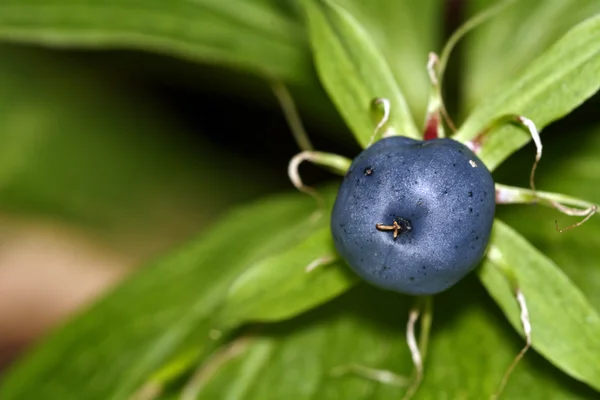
414, 216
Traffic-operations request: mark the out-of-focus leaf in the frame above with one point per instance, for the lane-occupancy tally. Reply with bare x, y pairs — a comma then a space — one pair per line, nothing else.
257, 36
553, 85
353, 70
280, 287
532, 27
566, 328
76, 148
116, 345
471, 347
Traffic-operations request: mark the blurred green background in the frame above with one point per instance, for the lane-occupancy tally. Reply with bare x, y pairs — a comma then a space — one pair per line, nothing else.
116, 162
128, 127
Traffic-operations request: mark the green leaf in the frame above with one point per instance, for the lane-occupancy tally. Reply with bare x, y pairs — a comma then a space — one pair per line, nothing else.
405, 31
471, 347
280, 287
565, 327
353, 70
553, 85
533, 26
256, 36
166, 309
574, 170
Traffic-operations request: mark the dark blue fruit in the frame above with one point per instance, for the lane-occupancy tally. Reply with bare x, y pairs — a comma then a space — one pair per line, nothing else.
414, 216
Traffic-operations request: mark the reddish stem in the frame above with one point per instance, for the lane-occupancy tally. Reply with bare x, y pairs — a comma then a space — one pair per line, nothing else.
431, 126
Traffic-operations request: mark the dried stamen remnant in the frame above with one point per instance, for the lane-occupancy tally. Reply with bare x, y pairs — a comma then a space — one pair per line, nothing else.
399, 226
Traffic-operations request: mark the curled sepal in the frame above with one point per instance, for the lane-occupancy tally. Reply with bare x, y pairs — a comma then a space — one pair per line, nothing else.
567, 205
477, 142
333, 162
434, 128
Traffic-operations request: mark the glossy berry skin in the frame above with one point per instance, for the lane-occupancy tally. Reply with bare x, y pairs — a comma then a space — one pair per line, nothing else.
436, 196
